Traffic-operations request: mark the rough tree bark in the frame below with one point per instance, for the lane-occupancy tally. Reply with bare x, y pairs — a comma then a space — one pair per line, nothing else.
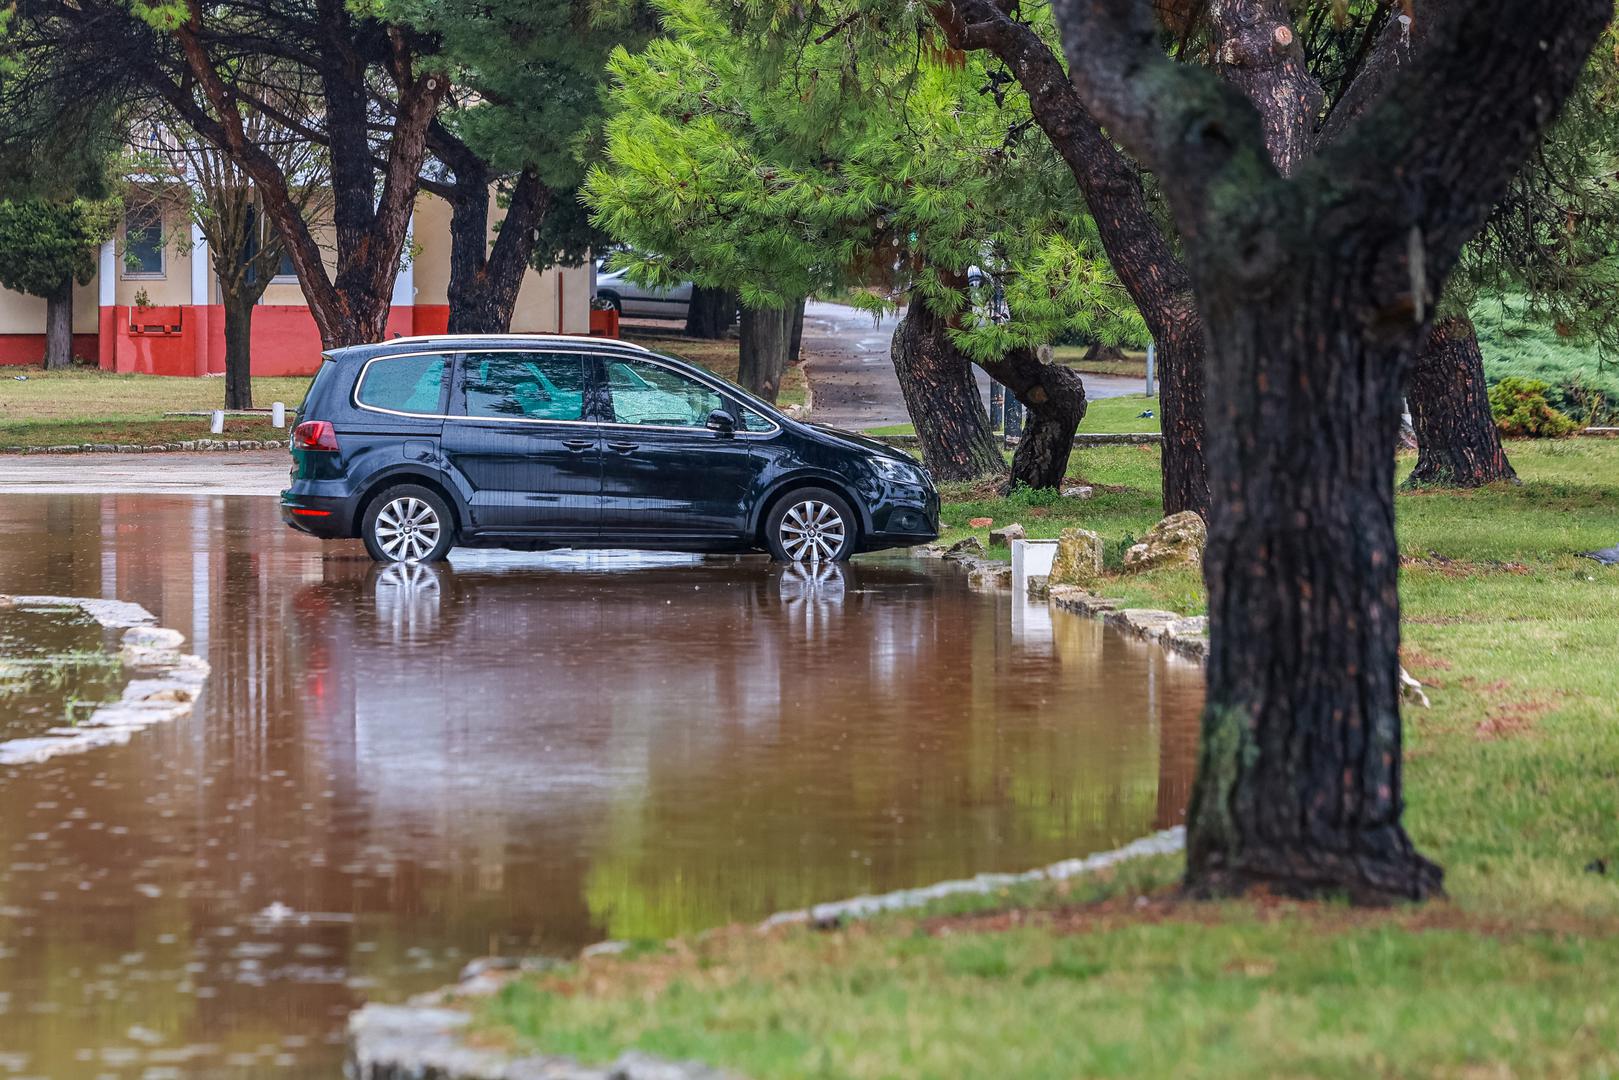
712, 312
1141, 256
1458, 444
766, 336
941, 396
238, 350
1316, 292
1053, 397
59, 327
795, 335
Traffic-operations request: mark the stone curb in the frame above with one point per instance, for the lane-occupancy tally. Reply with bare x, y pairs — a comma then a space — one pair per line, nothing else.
423, 1042
1187, 637
165, 685
192, 445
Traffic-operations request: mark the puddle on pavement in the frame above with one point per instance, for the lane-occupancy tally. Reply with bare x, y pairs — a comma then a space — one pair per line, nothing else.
394, 771
56, 666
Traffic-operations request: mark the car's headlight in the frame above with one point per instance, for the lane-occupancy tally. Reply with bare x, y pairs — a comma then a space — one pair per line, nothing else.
900, 472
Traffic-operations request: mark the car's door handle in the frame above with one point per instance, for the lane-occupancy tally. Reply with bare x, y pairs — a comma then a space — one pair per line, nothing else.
623, 447
578, 444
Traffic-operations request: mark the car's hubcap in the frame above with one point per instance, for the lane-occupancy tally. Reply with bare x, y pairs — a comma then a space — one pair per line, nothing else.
407, 529
812, 531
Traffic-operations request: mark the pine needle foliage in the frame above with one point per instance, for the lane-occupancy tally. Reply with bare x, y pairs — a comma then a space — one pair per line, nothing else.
858, 152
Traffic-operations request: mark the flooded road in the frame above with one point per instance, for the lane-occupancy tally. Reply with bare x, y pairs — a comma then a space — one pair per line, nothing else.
392, 772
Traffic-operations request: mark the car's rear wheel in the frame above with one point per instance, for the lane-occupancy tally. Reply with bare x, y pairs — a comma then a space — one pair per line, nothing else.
811, 525
408, 524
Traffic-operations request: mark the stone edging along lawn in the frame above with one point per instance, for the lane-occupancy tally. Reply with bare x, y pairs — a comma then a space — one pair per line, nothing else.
165, 685
423, 1038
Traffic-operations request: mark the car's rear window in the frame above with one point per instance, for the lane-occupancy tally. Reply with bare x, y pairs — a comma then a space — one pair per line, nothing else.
405, 384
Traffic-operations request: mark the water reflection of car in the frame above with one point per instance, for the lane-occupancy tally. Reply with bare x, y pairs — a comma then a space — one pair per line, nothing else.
645, 301
539, 442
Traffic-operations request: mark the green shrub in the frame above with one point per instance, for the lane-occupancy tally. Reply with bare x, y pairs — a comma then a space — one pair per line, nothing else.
1520, 408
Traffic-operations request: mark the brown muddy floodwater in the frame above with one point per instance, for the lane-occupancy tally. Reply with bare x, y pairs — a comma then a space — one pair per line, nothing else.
393, 772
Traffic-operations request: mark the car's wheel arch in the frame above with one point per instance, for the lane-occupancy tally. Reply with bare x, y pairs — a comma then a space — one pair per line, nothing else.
408, 475
787, 485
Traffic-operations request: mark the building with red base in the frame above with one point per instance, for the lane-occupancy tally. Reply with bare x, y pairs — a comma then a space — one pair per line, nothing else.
154, 306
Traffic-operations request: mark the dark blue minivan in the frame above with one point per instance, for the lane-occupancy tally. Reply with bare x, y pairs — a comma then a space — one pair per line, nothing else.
532, 441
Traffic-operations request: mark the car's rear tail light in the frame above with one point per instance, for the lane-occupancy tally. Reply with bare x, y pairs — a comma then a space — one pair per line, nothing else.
314, 435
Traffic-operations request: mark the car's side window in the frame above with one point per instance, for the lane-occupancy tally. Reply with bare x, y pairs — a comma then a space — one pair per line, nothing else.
404, 384
523, 385
752, 421
650, 394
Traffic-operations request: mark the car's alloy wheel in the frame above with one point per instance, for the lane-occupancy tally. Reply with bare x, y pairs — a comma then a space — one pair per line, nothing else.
407, 525
812, 526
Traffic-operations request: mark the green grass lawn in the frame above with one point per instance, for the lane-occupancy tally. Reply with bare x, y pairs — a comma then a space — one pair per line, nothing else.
1103, 416
64, 408
1513, 786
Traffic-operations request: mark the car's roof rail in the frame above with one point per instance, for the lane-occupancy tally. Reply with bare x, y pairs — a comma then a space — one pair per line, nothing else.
577, 338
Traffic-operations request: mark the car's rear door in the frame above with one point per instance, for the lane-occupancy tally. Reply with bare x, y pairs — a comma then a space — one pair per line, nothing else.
523, 438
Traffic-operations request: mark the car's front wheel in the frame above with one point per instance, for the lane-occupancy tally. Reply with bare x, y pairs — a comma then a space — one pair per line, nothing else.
408, 524
811, 525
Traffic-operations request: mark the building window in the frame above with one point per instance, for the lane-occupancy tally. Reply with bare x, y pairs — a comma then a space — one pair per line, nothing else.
286, 271
143, 242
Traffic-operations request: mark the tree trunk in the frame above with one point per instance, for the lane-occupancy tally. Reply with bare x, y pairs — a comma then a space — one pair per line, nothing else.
942, 397
1054, 399
238, 351
711, 312
1180, 415
795, 343
1457, 441
59, 327
485, 279
765, 338
1299, 779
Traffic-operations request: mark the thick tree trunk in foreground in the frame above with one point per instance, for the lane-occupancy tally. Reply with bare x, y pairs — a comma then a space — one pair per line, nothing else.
1316, 294
59, 327
711, 313
1053, 397
1299, 778
766, 335
238, 351
1457, 441
942, 397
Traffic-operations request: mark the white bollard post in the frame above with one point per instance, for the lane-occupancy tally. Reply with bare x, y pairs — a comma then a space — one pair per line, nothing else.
216, 422
1152, 362
278, 414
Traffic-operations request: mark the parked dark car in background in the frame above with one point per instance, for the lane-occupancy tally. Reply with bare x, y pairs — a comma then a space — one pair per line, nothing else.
419, 444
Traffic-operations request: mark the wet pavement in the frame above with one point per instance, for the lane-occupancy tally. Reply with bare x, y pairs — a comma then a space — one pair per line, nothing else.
393, 771
851, 372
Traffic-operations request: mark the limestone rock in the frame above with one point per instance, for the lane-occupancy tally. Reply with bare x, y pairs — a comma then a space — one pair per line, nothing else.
1078, 560
1008, 533
1176, 540
1081, 491
970, 545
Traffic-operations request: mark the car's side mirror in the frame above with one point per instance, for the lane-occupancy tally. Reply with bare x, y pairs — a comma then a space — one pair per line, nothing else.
721, 421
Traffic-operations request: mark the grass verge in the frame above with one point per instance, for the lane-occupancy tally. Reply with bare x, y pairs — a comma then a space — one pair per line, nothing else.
1513, 785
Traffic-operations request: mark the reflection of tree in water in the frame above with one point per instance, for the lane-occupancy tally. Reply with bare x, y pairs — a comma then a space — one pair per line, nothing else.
911, 744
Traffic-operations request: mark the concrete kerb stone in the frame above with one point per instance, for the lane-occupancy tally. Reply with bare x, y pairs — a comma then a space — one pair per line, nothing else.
165, 687
1186, 637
